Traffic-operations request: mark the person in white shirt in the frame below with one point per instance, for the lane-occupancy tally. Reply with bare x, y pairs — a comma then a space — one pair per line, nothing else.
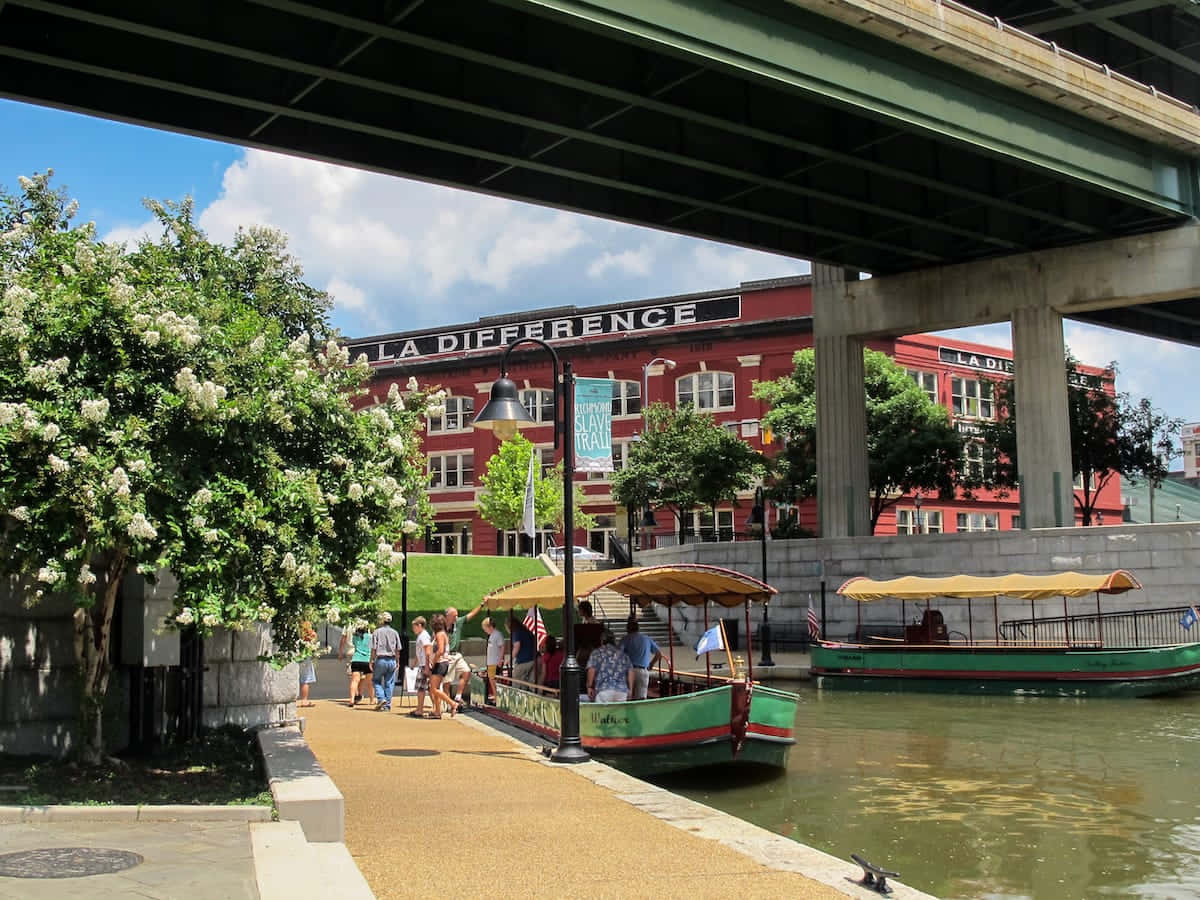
495, 653
424, 664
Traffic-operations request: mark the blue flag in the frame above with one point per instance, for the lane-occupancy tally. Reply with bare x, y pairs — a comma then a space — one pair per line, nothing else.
709, 641
1190, 618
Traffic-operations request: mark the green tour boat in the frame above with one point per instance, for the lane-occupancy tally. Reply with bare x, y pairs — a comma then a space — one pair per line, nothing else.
690, 719
1130, 653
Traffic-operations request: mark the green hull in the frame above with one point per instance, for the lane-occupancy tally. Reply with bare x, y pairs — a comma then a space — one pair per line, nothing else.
668, 734
1140, 672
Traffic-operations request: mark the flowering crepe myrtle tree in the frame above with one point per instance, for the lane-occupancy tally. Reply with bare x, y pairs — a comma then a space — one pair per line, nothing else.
184, 407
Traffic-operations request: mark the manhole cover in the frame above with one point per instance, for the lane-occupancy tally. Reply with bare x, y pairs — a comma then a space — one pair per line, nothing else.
66, 862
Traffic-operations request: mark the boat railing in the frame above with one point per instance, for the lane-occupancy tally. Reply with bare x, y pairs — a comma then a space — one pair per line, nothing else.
1127, 628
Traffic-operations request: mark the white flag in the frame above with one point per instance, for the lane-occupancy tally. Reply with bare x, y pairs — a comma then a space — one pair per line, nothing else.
528, 523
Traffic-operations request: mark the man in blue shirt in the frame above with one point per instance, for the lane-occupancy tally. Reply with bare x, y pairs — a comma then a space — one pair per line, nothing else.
643, 652
523, 649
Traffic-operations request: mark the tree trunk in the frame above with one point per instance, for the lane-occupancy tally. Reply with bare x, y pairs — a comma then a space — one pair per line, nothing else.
93, 634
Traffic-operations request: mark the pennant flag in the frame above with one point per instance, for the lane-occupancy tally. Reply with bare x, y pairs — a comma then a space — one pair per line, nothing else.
528, 523
814, 627
709, 641
533, 621
1190, 618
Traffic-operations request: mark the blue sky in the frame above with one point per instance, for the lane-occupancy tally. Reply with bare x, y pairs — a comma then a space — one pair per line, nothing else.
400, 254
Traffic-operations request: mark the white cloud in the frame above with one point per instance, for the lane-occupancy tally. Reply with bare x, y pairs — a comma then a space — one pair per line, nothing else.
627, 262
132, 235
346, 295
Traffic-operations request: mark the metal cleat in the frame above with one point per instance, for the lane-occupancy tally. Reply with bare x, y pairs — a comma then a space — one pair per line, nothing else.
874, 877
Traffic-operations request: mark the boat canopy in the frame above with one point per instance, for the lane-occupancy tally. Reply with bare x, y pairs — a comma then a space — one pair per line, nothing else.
670, 585
1023, 587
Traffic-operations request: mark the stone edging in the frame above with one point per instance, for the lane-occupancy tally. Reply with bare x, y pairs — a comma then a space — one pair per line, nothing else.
303, 792
13, 815
764, 847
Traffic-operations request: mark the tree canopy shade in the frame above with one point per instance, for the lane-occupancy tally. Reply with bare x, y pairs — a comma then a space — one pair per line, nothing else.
1111, 435
183, 406
911, 444
502, 502
685, 460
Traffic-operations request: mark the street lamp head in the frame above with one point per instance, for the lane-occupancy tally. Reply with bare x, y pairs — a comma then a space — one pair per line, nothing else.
669, 363
504, 413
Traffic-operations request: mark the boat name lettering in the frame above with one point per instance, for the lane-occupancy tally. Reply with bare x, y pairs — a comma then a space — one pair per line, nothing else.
609, 719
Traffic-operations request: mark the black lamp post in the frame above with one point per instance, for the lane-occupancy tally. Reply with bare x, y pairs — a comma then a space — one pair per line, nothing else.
917, 504
758, 516
504, 414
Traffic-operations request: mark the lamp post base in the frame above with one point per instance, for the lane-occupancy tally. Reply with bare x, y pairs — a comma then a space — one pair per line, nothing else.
569, 753
764, 635
570, 747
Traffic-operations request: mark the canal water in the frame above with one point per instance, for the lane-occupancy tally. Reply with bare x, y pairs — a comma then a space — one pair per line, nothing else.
989, 797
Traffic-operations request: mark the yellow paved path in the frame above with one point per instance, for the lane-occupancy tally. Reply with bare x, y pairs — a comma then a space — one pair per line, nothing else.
452, 809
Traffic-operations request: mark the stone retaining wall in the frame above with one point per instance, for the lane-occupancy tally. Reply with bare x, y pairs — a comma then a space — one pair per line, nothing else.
1165, 558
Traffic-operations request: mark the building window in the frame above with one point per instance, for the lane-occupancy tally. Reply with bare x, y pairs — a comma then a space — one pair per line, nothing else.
978, 522
705, 390
539, 404
1077, 482
972, 398
459, 413
626, 399
926, 381
620, 453
451, 470
1016, 523
450, 537
708, 529
909, 521
980, 461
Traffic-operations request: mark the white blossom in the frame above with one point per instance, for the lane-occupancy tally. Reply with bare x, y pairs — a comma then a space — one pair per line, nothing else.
20, 513
51, 573
118, 482
334, 615
9, 413
81, 453
85, 257
202, 497
258, 345
151, 338
120, 291
68, 270
355, 491
137, 466
299, 345
86, 576
394, 399
396, 444
199, 522
211, 536
412, 383
202, 397
356, 578
140, 527
288, 562
265, 613
409, 526
51, 431
209, 620
94, 410
185, 616
58, 464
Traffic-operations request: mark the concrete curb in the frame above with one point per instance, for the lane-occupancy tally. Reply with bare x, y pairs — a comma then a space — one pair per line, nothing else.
764, 847
302, 790
278, 848
15, 815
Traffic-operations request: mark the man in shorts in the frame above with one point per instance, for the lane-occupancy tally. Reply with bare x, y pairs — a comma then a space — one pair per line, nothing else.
459, 672
423, 644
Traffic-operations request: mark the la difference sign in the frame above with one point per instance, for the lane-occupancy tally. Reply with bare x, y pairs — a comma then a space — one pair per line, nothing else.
630, 320
998, 365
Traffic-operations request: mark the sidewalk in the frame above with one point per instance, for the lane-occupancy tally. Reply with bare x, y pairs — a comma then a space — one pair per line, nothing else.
437, 792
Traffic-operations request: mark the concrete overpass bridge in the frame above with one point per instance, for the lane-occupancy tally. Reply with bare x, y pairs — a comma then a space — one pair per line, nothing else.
978, 173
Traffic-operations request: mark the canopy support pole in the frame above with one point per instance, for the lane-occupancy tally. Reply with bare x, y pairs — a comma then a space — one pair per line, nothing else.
671, 640
1032, 620
750, 643
970, 624
996, 617
1099, 624
1066, 622
728, 652
707, 659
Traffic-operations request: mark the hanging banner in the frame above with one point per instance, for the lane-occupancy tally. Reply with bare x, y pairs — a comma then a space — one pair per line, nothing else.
593, 425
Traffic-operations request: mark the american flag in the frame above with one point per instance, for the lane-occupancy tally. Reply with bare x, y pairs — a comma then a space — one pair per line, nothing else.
533, 621
814, 627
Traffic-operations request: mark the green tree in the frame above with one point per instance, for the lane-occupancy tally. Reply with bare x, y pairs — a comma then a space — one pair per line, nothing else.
1111, 435
159, 412
684, 460
911, 444
502, 502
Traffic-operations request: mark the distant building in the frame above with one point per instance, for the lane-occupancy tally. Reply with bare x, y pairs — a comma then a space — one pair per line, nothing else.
721, 342
1189, 436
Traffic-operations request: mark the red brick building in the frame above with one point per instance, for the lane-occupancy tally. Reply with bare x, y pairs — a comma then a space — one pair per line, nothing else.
720, 342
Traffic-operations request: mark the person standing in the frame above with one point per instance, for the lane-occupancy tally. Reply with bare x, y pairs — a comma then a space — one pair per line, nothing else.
495, 655
385, 657
308, 670
524, 650
358, 642
424, 644
644, 653
459, 672
609, 672
441, 666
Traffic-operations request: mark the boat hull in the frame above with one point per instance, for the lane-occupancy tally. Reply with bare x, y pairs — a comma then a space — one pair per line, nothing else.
1138, 672
668, 734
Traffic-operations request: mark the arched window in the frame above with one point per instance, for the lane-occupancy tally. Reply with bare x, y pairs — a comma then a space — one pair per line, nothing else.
705, 390
539, 404
626, 398
459, 413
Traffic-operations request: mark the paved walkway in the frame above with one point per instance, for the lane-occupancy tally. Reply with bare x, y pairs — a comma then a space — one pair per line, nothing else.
182, 860
435, 793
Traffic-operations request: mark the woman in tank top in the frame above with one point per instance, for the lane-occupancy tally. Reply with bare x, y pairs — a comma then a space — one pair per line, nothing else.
441, 665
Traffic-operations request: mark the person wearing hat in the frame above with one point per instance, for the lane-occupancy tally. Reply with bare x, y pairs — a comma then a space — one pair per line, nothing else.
609, 672
385, 657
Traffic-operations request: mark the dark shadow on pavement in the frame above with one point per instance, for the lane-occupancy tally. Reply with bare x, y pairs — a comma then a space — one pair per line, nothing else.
406, 751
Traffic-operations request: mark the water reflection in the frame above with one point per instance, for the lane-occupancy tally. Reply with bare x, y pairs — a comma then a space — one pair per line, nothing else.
990, 796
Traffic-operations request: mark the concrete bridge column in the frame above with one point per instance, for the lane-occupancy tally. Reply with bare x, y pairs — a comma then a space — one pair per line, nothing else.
1043, 429
842, 481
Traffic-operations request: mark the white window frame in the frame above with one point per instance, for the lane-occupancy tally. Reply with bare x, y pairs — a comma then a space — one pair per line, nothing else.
724, 522
444, 460
458, 409
906, 520
623, 394
977, 521
926, 381
691, 386
977, 462
972, 398
543, 408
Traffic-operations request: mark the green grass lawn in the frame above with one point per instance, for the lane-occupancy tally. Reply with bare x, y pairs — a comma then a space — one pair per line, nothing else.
436, 581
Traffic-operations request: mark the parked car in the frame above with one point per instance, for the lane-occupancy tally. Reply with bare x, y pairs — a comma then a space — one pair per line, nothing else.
578, 553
